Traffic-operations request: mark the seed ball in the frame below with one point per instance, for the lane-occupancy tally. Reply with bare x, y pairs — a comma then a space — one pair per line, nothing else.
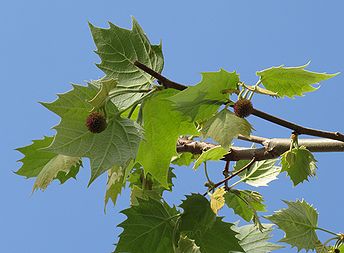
243, 108
336, 250
96, 122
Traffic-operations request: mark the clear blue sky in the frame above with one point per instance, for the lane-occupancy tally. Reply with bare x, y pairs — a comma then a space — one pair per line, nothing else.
46, 45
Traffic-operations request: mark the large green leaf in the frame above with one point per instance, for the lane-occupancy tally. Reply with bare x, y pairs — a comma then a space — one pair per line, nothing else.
299, 163
245, 203
201, 101
149, 227
260, 173
252, 240
291, 81
299, 222
162, 127
115, 146
186, 245
118, 49
210, 233
46, 166
215, 153
224, 126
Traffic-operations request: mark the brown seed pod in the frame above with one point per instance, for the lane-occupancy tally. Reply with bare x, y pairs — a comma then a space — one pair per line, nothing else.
96, 122
243, 108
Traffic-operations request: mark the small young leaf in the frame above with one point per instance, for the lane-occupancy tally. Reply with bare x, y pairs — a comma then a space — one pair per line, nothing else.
224, 126
162, 127
299, 163
201, 101
215, 153
118, 49
252, 240
245, 203
105, 85
149, 227
260, 173
183, 159
210, 233
299, 222
217, 200
291, 81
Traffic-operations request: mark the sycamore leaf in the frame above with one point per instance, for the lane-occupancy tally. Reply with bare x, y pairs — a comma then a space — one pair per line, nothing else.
321, 248
99, 100
118, 49
198, 222
149, 227
252, 240
59, 163
224, 126
162, 127
145, 187
299, 222
46, 166
186, 245
245, 203
260, 173
215, 153
115, 146
201, 101
291, 81
299, 163
183, 159
217, 200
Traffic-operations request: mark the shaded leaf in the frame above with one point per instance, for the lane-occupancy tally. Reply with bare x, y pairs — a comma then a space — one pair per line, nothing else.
299, 222
115, 146
252, 240
299, 163
260, 173
162, 127
291, 81
199, 223
201, 101
215, 153
149, 227
224, 126
118, 49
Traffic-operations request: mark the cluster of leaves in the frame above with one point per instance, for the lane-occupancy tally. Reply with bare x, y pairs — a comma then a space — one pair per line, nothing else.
144, 122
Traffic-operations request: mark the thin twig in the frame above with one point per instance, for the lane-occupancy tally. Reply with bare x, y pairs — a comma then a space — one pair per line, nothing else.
165, 82
287, 124
226, 173
247, 166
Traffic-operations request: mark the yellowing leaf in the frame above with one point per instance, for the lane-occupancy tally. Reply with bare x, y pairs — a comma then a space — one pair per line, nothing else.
217, 200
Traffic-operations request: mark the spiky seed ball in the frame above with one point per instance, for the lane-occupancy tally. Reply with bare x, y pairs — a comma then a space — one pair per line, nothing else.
96, 122
243, 108
337, 250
